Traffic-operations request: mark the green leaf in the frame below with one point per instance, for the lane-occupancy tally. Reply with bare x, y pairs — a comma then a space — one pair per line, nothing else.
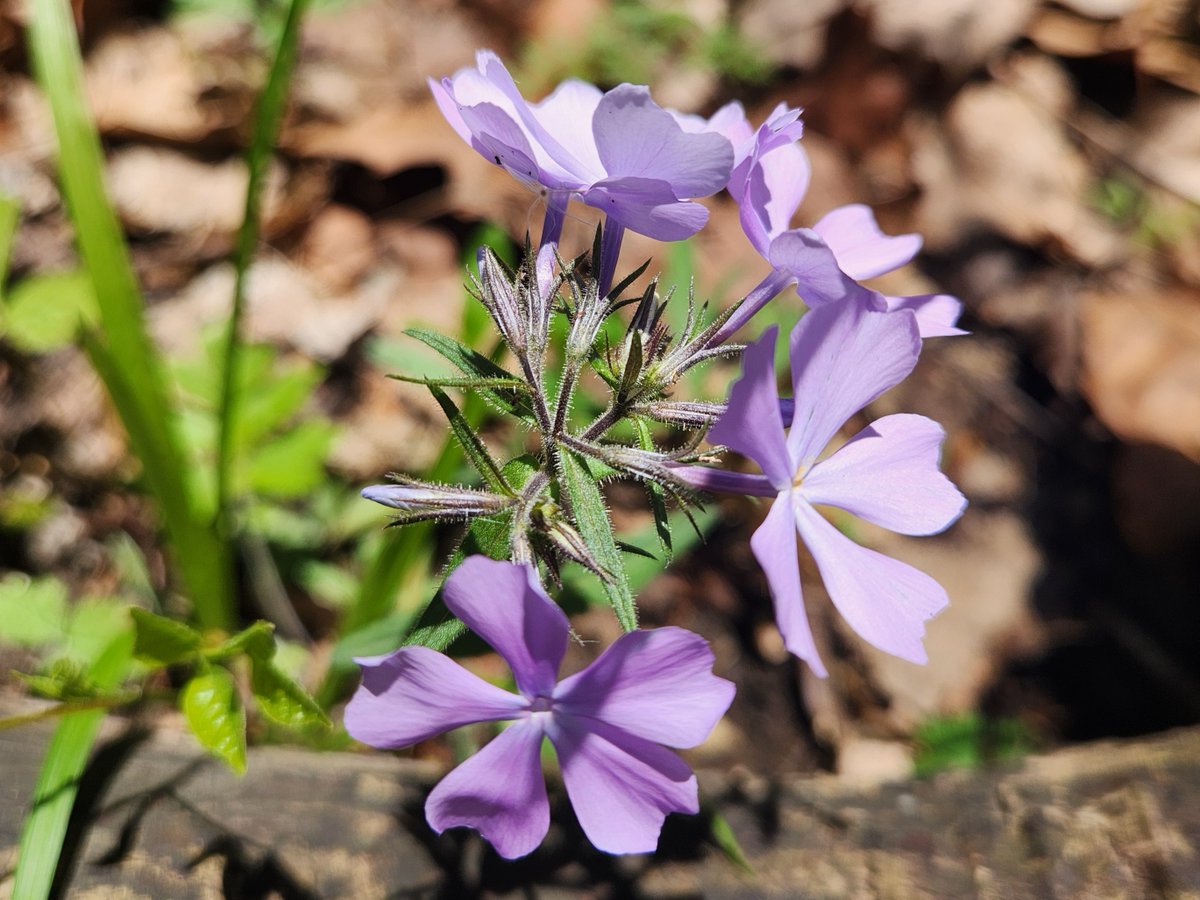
44, 312
93, 624
209, 703
283, 700
271, 399
472, 446
658, 502
10, 215
294, 463
475, 365
722, 835
32, 610
58, 782
161, 641
257, 642
591, 518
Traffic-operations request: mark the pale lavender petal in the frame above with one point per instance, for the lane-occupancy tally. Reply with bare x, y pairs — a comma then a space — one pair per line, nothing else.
785, 176
751, 424
448, 106
567, 114
774, 546
730, 122
803, 255
888, 474
862, 249
722, 481
635, 136
884, 600
622, 787
500, 792
497, 138
937, 314
656, 684
843, 357
503, 603
416, 693
647, 206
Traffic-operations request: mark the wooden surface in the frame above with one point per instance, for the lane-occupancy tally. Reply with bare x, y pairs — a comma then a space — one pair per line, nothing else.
1108, 820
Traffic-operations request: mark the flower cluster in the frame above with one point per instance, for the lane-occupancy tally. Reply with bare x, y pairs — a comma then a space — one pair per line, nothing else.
644, 167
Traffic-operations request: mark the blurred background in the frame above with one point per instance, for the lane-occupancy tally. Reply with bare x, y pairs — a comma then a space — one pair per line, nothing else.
1048, 152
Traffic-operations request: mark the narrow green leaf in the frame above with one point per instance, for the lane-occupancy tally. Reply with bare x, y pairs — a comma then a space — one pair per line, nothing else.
722, 835
293, 464
272, 104
465, 381
658, 501
472, 446
283, 700
58, 782
475, 365
591, 518
161, 641
209, 703
257, 642
10, 216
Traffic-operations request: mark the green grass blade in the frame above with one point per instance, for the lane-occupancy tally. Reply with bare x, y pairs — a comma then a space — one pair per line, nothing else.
272, 104
132, 360
10, 213
54, 794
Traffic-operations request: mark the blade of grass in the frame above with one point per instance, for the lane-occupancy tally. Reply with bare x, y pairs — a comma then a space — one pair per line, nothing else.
271, 106
10, 213
131, 356
58, 783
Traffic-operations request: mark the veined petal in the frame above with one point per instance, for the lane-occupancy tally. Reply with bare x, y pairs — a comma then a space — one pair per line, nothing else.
937, 314
500, 792
448, 106
621, 786
416, 693
884, 600
751, 424
648, 206
803, 255
567, 114
496, 137
774, 546
862, 249
888, 474
503, 603
656, 684
722, 481
843, 357
785, 176
635, 136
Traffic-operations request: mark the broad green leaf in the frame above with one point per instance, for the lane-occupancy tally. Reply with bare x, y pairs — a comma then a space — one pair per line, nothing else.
475, 364
209, 703
32, 610
282, 699
472, 446
330, 584
44, 312
161, 641
294, 463
269, 402
257, 642
93, 625
591, 518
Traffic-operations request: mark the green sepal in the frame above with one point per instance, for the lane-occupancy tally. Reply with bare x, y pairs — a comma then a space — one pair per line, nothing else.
658, 501
474, 364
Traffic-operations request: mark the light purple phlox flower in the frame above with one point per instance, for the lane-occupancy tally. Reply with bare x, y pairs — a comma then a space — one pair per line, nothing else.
825, 262
607, 722
843, 356
617, 151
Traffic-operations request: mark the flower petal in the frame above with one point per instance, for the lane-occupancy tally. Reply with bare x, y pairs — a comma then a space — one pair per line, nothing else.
888, 474
885, 601
803, 255
622, 787
843, 357
722, 481
656, 684
648, 206
937, 314
751, 424
500, 792
503, 603
862, 249
774, 546
567, 114
416, 693
635, 136
497, 138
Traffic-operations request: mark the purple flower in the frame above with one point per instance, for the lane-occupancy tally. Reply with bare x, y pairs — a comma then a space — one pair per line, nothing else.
825, 262
607, 723
617, 151
843, 356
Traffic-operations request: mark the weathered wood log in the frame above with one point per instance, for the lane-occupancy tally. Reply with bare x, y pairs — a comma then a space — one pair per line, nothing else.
157, 819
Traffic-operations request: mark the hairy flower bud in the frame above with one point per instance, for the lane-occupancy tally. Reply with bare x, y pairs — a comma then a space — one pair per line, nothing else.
418, 501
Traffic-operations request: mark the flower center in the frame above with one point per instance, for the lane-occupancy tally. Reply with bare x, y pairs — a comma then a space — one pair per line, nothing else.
541, 704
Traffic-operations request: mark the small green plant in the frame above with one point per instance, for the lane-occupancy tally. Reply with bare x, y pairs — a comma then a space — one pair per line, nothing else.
968, 741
